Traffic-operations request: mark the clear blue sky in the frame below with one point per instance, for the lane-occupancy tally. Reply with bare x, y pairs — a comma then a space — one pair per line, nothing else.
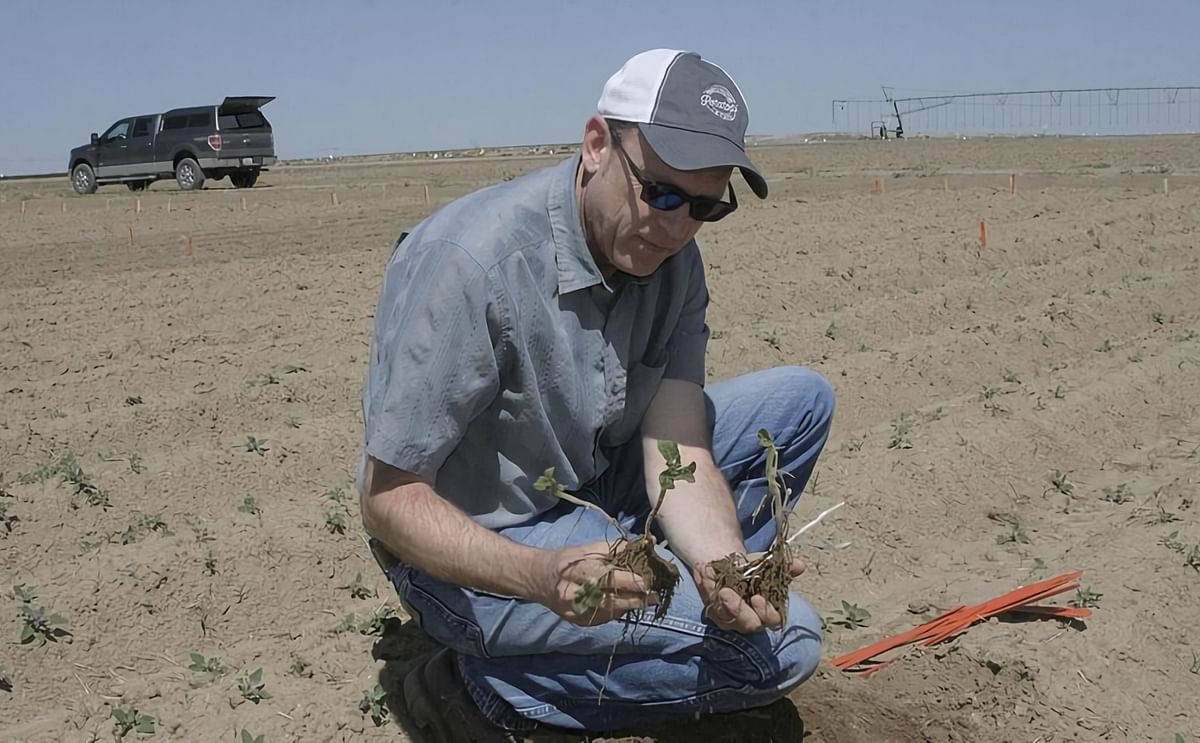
360, 76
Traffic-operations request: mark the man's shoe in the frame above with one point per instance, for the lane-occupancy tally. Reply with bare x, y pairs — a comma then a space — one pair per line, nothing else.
438, 702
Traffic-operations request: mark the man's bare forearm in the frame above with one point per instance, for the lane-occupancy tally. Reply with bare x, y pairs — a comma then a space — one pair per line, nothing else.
698, 519
426, 531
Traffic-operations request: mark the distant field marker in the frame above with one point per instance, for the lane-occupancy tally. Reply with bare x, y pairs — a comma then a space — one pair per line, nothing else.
168, 205
243, 203
130, 235
333, 199
1012, 183
187, 244
137, 206
982, 234
426, 195
1166, 190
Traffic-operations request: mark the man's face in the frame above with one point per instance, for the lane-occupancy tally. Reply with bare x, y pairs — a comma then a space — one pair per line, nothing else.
624, 232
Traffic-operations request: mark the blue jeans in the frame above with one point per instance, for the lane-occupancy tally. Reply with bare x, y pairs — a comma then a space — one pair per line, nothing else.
523, 664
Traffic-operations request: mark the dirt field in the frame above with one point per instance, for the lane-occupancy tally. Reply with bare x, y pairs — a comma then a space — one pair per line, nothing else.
178, 433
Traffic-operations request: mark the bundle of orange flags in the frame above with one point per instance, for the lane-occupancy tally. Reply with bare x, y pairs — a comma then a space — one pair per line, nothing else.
956, 621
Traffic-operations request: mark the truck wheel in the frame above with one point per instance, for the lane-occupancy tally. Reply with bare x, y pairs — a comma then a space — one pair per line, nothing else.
188, 174
243, 180
83, 179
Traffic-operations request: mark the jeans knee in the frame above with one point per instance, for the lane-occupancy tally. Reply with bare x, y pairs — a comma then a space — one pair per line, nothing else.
799, 652
807, 395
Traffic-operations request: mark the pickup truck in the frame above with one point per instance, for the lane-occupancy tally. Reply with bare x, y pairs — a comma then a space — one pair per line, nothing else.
191, 145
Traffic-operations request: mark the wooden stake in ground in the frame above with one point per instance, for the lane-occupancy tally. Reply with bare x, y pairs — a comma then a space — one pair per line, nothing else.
130, 235
982, 234
63, 207
1166, 189
187, 244
333, 199
243, 203
1012, 183
426, 195
137, 206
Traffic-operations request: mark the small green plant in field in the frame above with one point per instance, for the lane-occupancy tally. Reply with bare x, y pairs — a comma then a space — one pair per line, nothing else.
900, 434
36, 623
853, 616
256, 446
264, 380
1011, 377
133, 400
373, 703
292, 422
51, 469
358, 590
1120, 494
210, 564
300, 667
200, 664
377, 621
1105, 347
1060, 483
1162, 517
294, 369
1015, 535
335, 522
831, 332
6, 683
131, 721
348, 624
82, 485
253, 688
25, 594
1193, 558
249, 737
1171, 543
250, 506
135, 464
146, 524
1085, 598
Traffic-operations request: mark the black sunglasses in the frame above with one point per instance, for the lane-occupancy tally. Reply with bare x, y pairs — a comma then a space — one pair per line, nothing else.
665, 197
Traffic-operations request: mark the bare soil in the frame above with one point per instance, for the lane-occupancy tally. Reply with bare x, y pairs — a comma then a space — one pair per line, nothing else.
1004, 414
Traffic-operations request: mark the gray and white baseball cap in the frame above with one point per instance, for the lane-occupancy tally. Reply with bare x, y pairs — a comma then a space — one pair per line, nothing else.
689, 111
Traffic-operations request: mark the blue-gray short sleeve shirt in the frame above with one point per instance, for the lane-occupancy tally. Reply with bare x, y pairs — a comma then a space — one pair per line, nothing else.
499, 350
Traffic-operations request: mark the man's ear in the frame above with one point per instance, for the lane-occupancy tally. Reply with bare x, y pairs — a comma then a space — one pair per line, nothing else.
595, 143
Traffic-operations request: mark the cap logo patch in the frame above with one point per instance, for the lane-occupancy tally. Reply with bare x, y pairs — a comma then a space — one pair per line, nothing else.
718, 100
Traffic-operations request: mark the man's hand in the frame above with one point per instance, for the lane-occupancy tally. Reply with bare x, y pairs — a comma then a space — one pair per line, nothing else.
729, 611
567, 571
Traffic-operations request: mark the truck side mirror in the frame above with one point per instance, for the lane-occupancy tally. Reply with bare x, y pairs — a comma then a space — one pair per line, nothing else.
95, 139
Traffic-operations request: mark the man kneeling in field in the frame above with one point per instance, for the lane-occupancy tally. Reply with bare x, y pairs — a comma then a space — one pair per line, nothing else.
558, 321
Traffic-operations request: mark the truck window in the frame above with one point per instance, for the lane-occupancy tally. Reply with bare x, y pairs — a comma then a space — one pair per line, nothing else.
119, 130
175, 122
199, 121
247, 120
141, 127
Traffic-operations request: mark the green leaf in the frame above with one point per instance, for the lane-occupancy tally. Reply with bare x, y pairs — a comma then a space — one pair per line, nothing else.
256, 676
546, 481
669, 451
764, 439
121, 716
145, 724
27, 633
587, 598
247, 737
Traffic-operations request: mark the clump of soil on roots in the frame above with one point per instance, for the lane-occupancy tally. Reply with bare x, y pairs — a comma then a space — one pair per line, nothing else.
768, 575
635, 554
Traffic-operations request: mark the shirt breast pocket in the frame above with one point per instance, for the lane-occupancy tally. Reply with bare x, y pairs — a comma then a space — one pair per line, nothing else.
641, 385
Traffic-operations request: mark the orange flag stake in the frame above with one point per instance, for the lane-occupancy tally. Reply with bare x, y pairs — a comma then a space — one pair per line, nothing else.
982, 234
961, 618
